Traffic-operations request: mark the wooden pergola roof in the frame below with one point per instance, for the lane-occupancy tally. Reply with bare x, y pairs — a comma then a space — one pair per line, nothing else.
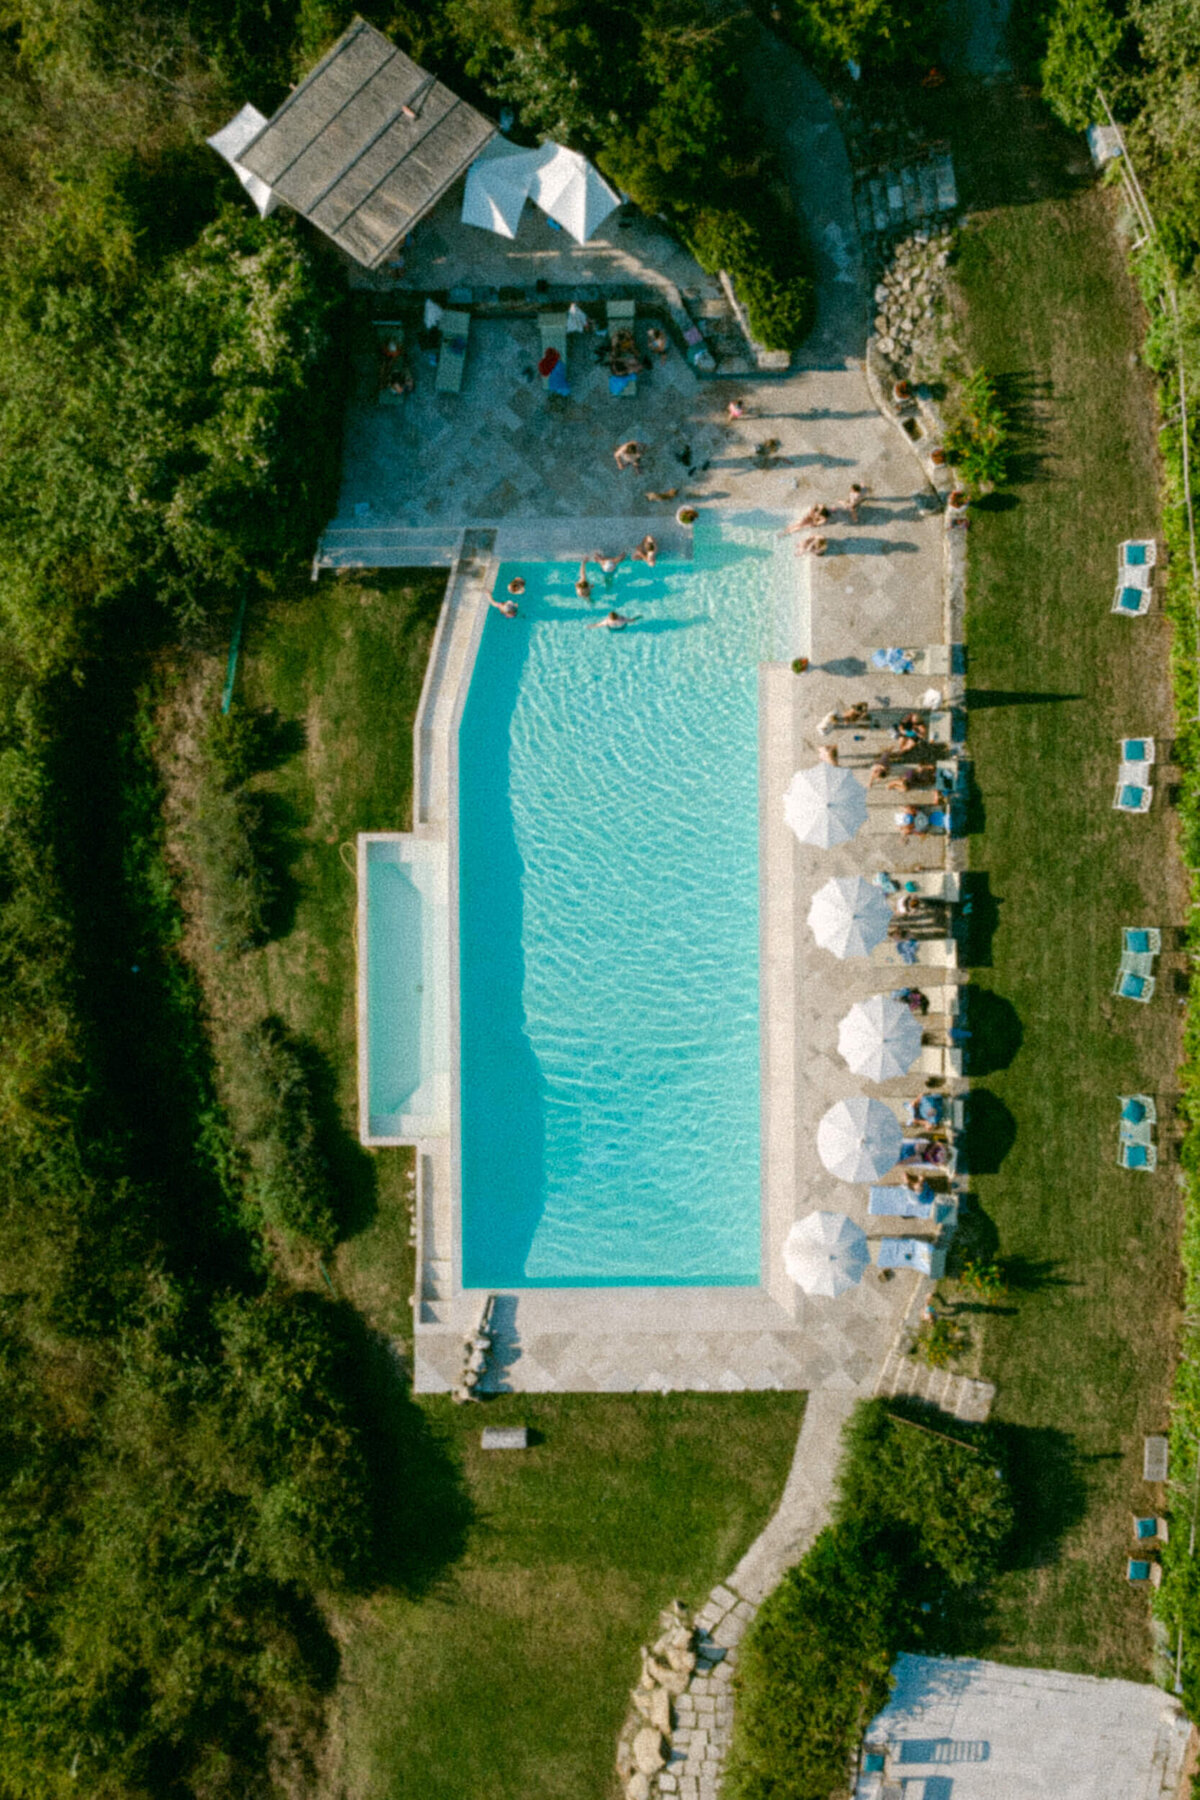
366, 144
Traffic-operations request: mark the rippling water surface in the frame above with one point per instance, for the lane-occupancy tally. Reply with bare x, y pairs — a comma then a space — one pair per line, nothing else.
608, 865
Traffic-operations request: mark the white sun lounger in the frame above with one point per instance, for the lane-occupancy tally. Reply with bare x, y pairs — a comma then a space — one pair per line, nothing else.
1137, 553
931, 884
945, 1060
932, 953
1132, 599
1132, 794
912, 1253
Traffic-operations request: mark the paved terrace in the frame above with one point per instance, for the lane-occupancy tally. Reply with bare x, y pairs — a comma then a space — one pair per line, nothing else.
505, 457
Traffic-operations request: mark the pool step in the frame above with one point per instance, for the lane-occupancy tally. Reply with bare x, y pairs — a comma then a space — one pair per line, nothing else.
366, 544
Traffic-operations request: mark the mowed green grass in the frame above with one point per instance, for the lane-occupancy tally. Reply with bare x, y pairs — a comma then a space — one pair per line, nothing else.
507, 1676
1082, 1353
510, 1680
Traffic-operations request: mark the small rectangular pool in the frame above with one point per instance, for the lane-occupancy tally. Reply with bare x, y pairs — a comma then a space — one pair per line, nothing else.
608, 849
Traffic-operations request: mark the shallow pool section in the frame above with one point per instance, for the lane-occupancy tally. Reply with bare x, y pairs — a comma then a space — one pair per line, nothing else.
608, 926
404, 990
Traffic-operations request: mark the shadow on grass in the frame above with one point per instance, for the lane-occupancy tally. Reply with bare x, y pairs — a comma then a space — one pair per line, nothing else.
1048, 1489
277, 844
996, 1031
421, 1509
979, 919
1021, 393
990, 1132
980, 698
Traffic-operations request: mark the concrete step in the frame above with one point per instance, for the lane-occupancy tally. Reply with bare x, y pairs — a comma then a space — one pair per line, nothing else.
370, 544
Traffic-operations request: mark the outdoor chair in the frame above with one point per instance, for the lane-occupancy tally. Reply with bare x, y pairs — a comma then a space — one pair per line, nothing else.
1141, 940
1130, 601
1138, 1156
1138, 1109
1136, 962
912, 1253
1131, 796
1137, 553
897, 1202
1137, 752
1135, 987
389, 331
1137, 1572
1147, 1527
553, 327
456, 328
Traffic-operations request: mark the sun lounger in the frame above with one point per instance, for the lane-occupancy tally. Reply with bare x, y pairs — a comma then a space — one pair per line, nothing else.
931, 884
1149, 1526
1131, 795
896, 1202
1138, 1156
1137, 1571
912, 1253
935, 659
1136, 962
1134, 987
1140, 940
1138, 1109
926, 953
944, 1060
913, 1135
456, 328
1155, 1455
1137, 553
389, 331
944, 1002
553, 327
1137, 752
1136, 1134
1130, 601
620, 315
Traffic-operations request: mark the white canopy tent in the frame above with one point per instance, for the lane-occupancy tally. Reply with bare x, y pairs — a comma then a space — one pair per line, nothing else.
859, 1139
849, 916
880, 1038
826, 1253
825, 805
229, 143
564, 184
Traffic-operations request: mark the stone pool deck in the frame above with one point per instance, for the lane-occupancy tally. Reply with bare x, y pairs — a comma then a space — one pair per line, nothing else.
505, 469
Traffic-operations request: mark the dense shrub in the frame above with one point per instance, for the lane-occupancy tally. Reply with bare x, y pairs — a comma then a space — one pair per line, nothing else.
1081, 46
916, 1509
977, 437
293, 1178
767, 270
876, 34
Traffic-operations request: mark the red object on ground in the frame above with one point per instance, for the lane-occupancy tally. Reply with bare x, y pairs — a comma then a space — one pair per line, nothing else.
550, 360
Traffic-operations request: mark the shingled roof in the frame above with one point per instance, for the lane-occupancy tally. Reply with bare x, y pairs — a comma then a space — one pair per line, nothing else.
366, 144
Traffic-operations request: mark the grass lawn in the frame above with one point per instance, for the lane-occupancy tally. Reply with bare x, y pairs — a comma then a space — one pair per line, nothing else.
502, 1671
509, 1680
1082, 1351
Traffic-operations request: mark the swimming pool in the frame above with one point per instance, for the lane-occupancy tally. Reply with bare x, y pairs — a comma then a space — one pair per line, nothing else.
608, 926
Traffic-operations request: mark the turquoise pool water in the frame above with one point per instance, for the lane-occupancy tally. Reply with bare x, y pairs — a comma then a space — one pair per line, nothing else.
608, 928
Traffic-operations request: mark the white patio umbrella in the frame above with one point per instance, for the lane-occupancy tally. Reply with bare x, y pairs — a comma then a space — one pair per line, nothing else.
849, 916
570, 191
825, 1254
859, 1139
880, 1038
825, 805
498, 184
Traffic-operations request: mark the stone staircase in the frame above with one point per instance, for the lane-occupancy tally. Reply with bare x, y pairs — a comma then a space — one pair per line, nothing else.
895, 197
958, 1395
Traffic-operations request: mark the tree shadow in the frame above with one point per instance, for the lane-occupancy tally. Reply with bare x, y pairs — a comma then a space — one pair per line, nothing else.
978, 919
1025, 1275
970, 812
1048, 1489
276, 839
1022, 394
996, 1030
421, 1511
989, 1133
978, 699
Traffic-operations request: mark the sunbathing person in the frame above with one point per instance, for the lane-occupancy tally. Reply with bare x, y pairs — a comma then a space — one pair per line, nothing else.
911, 821
815, 515
812, 546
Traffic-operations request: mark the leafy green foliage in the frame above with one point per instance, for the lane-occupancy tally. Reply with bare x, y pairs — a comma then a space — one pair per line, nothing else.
877, 34
916, 1509
978, 436
767, 267
1080, 49
293, 1179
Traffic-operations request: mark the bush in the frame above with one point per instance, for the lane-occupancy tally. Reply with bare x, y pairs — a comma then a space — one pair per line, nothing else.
813, 1670
916, 1509
977, 441
293, 1179
1081, 45
877, 34
228, 836
766, 259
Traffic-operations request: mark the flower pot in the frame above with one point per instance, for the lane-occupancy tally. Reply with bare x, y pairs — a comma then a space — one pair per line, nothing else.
799, 665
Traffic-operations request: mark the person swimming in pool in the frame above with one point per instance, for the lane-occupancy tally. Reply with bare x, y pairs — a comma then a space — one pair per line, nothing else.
613, 621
